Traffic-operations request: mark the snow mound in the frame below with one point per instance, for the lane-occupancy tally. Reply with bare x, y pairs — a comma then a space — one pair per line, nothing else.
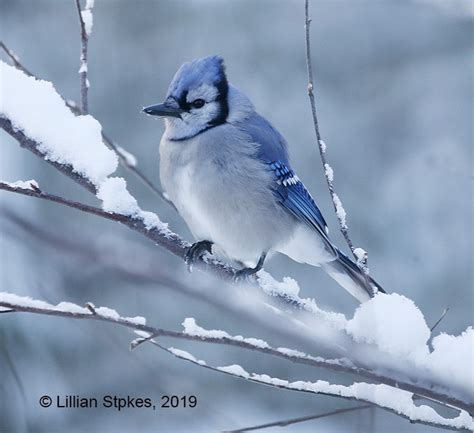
453, 358
391, 322
37, 109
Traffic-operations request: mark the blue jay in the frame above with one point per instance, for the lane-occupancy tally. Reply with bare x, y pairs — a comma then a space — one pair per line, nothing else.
227, 171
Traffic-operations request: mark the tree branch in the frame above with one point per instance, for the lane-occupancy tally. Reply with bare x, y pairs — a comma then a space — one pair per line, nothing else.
323, 388
83, 68
328, 172
124, 161
340, 365
15, 59
169, 240
33, 146
290, 421
68, 310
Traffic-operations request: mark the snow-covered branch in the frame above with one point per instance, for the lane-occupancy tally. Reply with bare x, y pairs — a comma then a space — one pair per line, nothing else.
126, 159
396, 400
391, 399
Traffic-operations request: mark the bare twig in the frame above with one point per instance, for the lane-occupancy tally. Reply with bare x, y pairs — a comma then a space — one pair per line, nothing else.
15, 59
107, 140
328, 173
124, 162
83, 68
290, 421
440, 319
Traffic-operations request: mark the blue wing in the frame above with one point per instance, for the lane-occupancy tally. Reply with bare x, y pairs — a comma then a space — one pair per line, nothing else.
272, 145
290, 191
296, 199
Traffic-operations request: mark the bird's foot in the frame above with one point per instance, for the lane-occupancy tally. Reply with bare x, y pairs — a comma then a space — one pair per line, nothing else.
244, 275
247, 274
195, 252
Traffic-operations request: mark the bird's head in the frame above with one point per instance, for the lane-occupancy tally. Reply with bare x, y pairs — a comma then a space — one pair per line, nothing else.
196, 99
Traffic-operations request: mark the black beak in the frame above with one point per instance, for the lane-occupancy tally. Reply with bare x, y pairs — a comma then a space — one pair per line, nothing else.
163, 110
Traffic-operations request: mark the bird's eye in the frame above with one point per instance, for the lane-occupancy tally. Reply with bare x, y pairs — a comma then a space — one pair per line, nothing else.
198, 103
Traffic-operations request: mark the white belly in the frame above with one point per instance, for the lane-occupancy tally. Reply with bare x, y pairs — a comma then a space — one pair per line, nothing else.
306, 246
224, 196
242, 223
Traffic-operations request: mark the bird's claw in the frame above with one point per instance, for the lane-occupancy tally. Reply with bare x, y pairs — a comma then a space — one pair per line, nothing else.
195, 252
245, 275
248, 274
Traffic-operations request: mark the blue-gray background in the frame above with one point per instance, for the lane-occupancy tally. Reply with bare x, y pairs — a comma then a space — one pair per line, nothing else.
394, 94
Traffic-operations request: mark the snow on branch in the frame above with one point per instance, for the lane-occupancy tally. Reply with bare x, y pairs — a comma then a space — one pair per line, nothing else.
391, 399
447, 364
126, 159
35, 108
387, 397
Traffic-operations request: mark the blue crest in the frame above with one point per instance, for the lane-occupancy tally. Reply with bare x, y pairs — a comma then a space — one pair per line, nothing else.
207, 70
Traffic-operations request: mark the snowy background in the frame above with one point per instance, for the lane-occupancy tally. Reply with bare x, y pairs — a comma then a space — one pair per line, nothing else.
394, 95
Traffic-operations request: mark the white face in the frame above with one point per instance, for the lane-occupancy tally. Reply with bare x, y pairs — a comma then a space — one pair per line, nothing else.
202, 109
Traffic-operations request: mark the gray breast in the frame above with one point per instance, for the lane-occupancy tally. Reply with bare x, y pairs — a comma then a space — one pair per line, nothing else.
223, 192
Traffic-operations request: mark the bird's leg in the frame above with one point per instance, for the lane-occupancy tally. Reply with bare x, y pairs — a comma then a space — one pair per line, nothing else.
246, 273
195, 251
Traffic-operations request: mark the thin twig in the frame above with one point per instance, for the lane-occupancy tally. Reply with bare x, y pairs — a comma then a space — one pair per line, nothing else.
126, 164
15, 59
107, 140
290, 421
83, 68
440, 319
321, 145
